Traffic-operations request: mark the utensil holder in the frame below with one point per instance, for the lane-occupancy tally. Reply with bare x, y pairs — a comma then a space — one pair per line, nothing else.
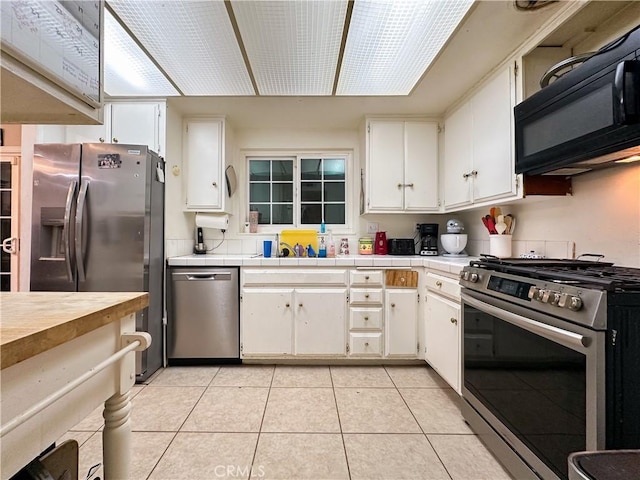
500, 246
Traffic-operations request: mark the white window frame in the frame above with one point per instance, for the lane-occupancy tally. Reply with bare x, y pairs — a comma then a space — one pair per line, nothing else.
297, 155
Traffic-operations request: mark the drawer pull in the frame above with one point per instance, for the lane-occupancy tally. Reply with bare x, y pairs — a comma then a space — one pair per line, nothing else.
366, 344
101, 139
214, 184
366, 295
286, 305
438, 283
366, 318
393, 305
300, 305
453, 320
366, 277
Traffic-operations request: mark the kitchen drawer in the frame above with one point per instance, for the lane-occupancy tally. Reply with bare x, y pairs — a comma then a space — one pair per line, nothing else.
294, 276
366, 278
365, 296
365, 318
365, 344
443, 285
401, 278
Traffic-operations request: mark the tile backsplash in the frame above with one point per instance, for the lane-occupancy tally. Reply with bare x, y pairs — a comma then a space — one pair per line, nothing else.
547, 248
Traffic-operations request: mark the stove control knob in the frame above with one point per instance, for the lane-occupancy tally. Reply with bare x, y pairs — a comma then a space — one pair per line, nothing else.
575, 303
533, 293
555, 298
540, 294
546, 294
464, 275
474, 277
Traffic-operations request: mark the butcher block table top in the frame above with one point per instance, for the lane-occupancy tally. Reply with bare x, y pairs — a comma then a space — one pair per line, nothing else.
34, 322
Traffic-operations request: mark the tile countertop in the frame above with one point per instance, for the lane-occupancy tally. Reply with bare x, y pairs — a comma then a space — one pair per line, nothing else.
445, 264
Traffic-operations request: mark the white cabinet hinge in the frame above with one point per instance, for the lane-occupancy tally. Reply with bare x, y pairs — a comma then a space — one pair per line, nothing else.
517, 183
240, 347
418, 298
368, 128
418, 347
347, 348
515, 68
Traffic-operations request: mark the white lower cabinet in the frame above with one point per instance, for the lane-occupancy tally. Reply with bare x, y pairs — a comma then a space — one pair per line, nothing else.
401, 322
320, 321
267, 321
293, 317
442, 338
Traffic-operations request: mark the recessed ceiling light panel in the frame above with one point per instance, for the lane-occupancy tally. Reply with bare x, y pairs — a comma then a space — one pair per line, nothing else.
128, 71
193, 41
392, 42
292, 46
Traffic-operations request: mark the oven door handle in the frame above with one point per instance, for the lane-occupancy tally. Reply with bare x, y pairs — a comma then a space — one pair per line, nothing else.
564, 337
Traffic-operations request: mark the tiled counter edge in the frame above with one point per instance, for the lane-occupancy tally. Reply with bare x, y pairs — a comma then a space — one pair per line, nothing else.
443, 264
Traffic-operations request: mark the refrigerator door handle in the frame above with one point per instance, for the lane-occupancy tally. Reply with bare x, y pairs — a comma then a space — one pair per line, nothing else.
66, 234
82, 200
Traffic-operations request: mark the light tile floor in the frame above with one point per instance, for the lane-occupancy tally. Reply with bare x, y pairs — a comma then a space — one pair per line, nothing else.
296, 423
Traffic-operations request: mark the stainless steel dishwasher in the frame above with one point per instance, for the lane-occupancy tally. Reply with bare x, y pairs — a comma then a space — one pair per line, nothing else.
203, 315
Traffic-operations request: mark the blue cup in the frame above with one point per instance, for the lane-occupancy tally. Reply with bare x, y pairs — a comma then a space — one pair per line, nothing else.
266, 249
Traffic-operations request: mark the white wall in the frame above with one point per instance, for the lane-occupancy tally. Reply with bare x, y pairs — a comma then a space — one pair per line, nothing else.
602, 216
180, 225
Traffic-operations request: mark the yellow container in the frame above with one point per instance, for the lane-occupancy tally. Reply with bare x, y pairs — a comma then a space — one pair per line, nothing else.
302, 237
365, 246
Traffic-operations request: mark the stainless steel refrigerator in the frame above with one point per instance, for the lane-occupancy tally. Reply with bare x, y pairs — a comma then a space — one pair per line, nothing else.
98, 226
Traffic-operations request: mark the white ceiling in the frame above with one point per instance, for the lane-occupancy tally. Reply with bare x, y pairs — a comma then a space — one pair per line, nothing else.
491, 31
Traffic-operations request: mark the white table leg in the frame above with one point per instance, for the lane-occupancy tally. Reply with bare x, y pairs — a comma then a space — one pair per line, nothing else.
116, 437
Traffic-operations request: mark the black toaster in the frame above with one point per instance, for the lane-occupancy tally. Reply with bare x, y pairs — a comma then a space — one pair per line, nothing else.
401, 246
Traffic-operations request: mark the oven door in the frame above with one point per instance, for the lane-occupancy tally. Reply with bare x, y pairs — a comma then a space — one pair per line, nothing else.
537, 380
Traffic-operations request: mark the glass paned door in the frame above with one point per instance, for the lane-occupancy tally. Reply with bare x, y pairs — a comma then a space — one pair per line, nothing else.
9, 215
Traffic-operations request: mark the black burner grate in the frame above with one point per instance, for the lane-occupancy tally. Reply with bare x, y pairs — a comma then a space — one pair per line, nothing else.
588, 274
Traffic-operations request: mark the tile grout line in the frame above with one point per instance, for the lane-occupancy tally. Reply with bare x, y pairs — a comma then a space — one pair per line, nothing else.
175, 434
419, 426
344, 445
255, 450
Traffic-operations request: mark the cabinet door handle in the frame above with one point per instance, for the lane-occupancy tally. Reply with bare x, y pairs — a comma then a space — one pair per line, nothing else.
453, 320
101, 139
214, 184
115, 140
410, 185
466, 175
366, 277
366, 344
287, 305
366, 296
393, 305
300, 305
474, 173
438, 283
366, 318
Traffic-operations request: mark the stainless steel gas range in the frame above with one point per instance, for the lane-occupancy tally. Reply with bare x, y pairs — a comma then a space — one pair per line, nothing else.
551, 359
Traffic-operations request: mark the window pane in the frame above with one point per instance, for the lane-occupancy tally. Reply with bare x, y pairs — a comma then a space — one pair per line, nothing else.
311, 191
311, 213
259, 170
282, 214
5, 175
259, 192
5, 283
264, 213
334, 169
283, 192
5, 203
283, 170
334, 214
310, 169
334, 192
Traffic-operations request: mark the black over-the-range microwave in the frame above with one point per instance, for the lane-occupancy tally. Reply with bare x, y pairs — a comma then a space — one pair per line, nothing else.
588, 118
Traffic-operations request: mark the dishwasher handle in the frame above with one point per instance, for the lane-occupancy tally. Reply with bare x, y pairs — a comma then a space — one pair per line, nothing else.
196, 276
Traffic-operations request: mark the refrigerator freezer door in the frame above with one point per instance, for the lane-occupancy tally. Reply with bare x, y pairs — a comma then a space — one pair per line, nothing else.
55, 175
111, 233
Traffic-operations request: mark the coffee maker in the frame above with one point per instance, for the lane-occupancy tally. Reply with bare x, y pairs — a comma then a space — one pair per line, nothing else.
428, 238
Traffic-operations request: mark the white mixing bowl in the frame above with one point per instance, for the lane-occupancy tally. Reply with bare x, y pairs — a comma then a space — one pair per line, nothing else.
453, 242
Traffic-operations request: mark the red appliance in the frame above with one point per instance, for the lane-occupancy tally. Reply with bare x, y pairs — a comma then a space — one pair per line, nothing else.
380, 247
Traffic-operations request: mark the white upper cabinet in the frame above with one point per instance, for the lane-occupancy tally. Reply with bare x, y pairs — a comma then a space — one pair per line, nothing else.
135, 123
401, 166
204, 157
478, 157
138, 124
